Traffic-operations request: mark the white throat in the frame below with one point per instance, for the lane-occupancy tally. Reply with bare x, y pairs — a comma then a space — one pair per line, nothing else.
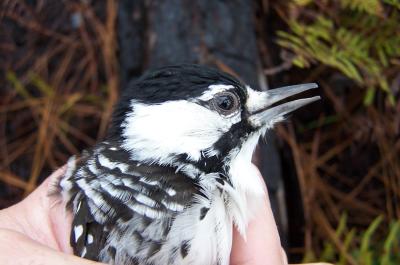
247, 192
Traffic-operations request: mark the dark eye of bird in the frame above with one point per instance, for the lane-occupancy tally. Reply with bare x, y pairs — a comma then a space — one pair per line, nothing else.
226, 102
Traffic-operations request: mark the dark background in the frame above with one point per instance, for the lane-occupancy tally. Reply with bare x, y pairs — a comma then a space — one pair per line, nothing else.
332, 169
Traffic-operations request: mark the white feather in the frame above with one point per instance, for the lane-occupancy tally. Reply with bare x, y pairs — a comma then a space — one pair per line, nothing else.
78, 231
171, 192
89, 239
145, 200
146, 211
105, 162
83, 252
247, 184
214, 89
66, 181
172, 206
95, 202
122, 195
79, 206
256, 100
149, 182
92, 167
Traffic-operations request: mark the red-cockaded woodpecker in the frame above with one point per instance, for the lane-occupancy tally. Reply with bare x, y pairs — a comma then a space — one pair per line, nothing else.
174, 173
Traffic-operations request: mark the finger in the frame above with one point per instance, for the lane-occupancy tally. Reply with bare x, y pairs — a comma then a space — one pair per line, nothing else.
263, 243
28, 251
41, 217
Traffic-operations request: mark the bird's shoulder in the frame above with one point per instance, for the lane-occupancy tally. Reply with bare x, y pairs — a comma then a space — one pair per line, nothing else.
107, 167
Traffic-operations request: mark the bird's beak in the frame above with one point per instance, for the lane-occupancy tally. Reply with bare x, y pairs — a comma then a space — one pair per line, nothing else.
266, 107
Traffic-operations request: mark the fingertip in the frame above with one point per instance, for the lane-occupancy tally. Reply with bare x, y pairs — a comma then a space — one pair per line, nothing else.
263, 242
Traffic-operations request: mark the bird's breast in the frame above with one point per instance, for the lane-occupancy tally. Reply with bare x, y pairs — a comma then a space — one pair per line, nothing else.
201, 235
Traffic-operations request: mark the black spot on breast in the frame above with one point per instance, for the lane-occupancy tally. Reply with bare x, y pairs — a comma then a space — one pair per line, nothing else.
185, 248
112, 251
203, 212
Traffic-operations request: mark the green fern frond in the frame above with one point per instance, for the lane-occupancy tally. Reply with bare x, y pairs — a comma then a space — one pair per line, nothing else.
373, 7
361, 45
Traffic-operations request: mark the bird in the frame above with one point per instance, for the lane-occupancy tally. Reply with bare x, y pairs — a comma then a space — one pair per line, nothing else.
174, 175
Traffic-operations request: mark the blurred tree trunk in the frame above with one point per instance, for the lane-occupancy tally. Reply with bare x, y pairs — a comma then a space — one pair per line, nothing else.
217, 33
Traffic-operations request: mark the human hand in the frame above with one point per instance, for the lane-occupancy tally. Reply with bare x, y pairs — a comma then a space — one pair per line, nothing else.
36, 231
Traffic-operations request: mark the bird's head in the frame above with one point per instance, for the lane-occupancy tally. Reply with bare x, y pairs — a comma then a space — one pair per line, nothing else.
197, 115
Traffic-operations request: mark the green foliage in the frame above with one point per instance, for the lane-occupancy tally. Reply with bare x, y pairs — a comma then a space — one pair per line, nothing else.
373, 7
366, 247
359, 38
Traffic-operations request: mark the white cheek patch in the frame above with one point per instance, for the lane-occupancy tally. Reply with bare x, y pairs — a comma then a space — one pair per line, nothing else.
256, 100
212, 90
155, 132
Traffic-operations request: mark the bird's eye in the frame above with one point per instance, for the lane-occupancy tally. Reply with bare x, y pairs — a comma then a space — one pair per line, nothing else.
225, 102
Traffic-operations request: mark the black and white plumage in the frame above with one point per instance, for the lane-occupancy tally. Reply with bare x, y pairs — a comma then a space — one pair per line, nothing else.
174, 174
